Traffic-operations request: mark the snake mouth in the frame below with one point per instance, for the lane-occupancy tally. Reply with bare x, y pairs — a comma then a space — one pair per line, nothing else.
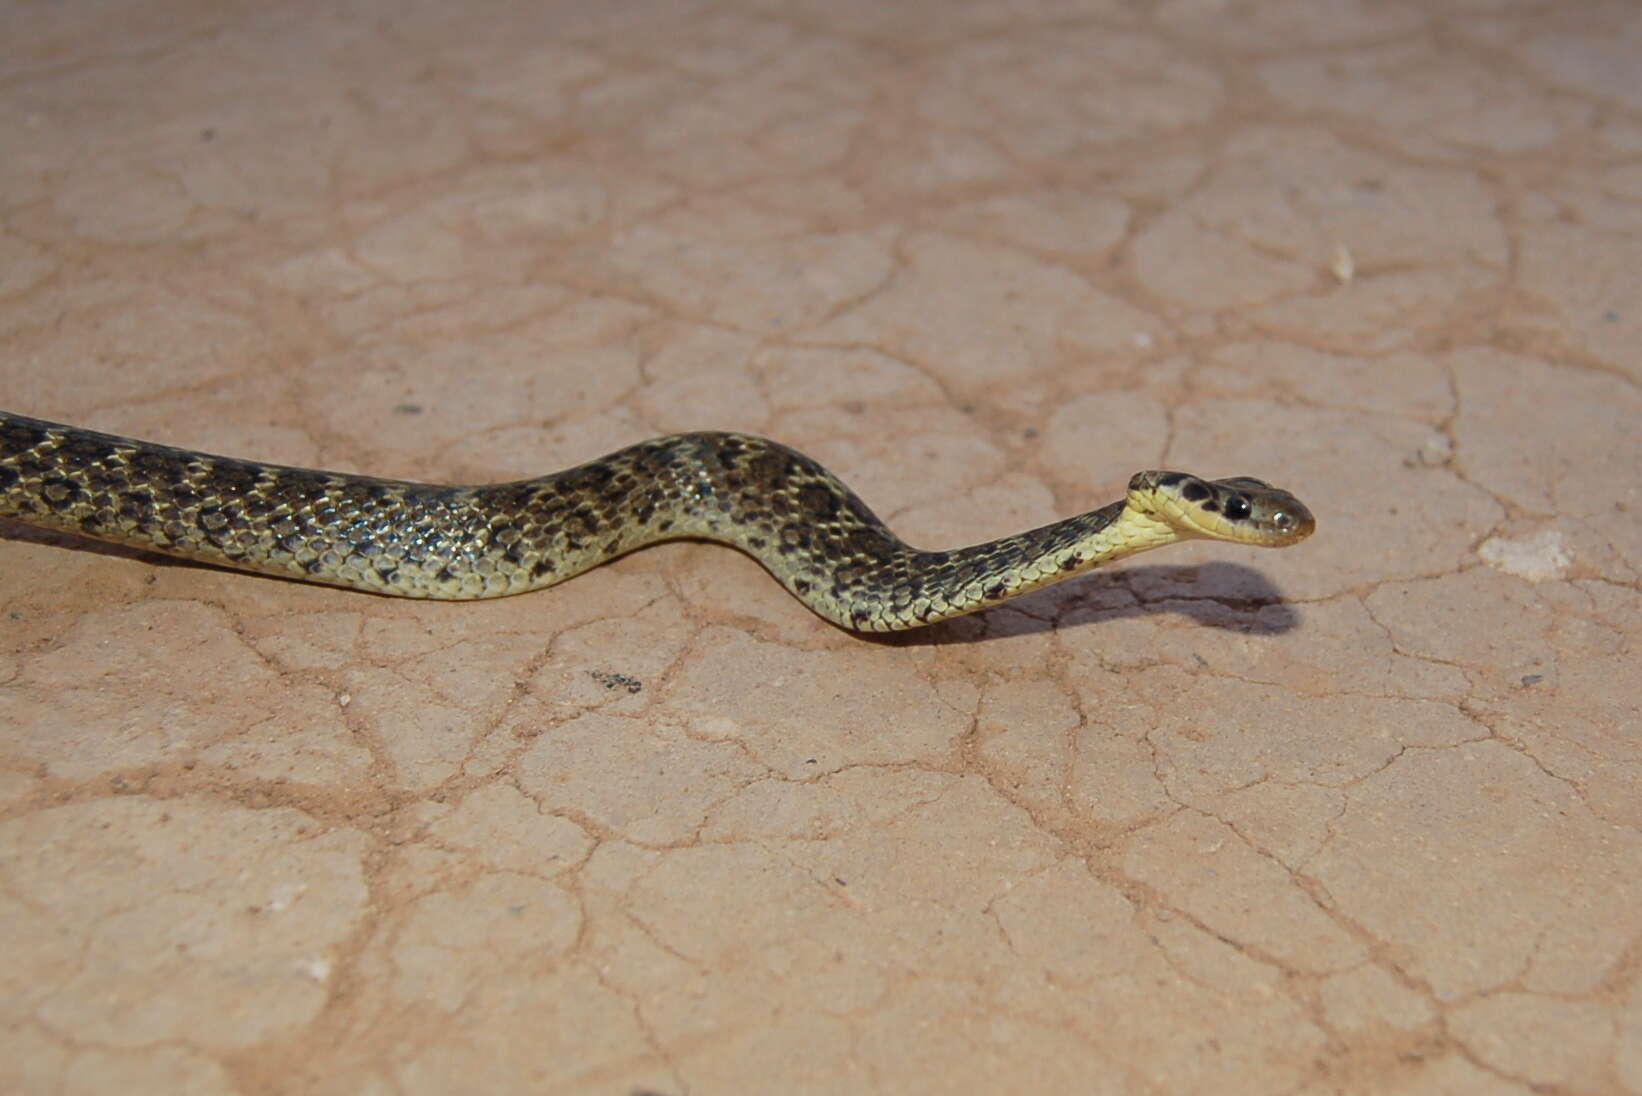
1283, 524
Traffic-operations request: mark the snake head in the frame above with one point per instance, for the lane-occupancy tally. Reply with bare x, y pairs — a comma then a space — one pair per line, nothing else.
1241, 509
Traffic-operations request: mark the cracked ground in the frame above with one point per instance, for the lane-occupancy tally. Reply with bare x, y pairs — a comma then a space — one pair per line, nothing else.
1362, 816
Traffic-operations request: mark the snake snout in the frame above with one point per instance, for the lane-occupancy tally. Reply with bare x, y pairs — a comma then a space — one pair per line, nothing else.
1292, 522
1265, 515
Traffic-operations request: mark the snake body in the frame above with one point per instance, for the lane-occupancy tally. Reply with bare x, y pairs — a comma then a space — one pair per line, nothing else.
463, 543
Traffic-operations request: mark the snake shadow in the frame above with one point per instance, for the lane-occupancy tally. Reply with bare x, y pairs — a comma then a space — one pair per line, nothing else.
1228, 596
74, 542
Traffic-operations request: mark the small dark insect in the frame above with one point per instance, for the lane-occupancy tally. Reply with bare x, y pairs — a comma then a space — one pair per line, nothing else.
614, 681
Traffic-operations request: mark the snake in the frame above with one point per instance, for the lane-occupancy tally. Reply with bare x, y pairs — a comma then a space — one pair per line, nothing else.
463, 543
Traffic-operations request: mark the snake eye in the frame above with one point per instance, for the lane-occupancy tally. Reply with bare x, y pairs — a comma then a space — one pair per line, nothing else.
1237, 508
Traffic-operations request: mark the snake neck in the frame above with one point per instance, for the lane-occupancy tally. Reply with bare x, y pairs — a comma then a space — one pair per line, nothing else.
821, 541
888, 585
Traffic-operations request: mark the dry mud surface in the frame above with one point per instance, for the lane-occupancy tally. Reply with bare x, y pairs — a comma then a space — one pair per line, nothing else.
1362, 816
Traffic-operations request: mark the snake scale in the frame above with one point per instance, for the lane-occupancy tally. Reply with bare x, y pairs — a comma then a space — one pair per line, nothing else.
463, 543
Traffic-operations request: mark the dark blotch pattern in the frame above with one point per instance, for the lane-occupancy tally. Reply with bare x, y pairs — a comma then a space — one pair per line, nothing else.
424, 540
